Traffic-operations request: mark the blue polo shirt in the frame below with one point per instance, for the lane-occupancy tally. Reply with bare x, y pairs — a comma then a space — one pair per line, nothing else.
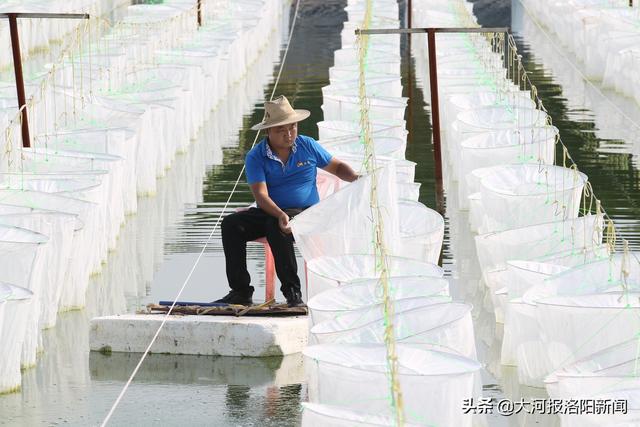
290, 185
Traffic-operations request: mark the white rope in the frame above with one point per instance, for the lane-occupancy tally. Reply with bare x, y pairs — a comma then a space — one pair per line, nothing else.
215, 227
589, 82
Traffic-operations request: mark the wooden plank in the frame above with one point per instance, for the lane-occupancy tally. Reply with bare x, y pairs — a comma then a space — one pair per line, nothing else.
230, 310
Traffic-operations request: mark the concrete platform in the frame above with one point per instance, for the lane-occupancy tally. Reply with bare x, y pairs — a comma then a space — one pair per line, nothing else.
201, 335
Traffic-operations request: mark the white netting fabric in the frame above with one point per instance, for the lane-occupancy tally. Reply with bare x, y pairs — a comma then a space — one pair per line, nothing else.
371, 246
354, 376
328, 272
107, 118
573, 327
421, 322
15, 305
540, 247
363, 293
343, 224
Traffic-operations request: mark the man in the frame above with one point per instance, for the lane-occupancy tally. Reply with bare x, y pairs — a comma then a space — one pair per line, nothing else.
281, 171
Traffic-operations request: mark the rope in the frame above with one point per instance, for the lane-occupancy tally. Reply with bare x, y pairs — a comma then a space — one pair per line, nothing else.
215, 226
380, 250
513, 56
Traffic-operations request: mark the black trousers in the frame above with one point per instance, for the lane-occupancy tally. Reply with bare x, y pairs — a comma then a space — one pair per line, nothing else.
242, 227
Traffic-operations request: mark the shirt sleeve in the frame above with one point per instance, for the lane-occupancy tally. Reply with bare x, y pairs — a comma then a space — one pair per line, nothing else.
323, 157
254, 170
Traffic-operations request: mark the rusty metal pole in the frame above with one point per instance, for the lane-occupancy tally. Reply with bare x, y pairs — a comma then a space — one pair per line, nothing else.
199, 13
17, 66
409, 73
435, 116
433, 74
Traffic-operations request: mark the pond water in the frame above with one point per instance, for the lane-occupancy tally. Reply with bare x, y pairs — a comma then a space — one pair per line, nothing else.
158, 246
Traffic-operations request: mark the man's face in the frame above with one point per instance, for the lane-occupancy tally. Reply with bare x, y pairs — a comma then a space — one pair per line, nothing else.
281, 137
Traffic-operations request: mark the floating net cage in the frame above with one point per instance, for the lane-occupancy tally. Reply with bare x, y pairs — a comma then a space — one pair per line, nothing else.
383, 145
84, 246
23, 264
421, 232
525, 281
377, 86
381, 59
329, 272
529, 282
488, 119
612, 369
318, 231
57, 226
389, 43
15, 306
629, 416
345, 107
457, 103
602, 34
571, 327
365, 276
503, 147
520, 195
405, 169
530, 242
551, 261
346, 72
330, 129
108, 113
315, 414
524, 275
344, 299
354, 377
146, 84
505, 284
620, 272
421, 322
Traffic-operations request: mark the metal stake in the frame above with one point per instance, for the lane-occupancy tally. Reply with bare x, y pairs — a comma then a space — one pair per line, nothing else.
17, 60
435, 116
433, 82
17, 67
410, 72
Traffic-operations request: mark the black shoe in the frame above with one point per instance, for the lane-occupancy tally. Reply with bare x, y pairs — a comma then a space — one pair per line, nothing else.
237, 297
294, 298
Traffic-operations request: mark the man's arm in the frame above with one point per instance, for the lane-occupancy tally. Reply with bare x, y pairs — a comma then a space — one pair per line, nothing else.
261, 194
341, 170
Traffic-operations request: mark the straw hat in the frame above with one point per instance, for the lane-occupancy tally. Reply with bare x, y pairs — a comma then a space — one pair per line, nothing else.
279, 112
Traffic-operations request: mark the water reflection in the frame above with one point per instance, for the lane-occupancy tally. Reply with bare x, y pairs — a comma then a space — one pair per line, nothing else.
250, 389
189, 369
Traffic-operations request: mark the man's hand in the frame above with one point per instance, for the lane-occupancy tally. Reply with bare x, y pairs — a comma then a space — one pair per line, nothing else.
341, 170
283, 221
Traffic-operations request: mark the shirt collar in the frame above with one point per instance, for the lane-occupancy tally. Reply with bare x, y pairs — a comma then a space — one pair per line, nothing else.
269, 153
